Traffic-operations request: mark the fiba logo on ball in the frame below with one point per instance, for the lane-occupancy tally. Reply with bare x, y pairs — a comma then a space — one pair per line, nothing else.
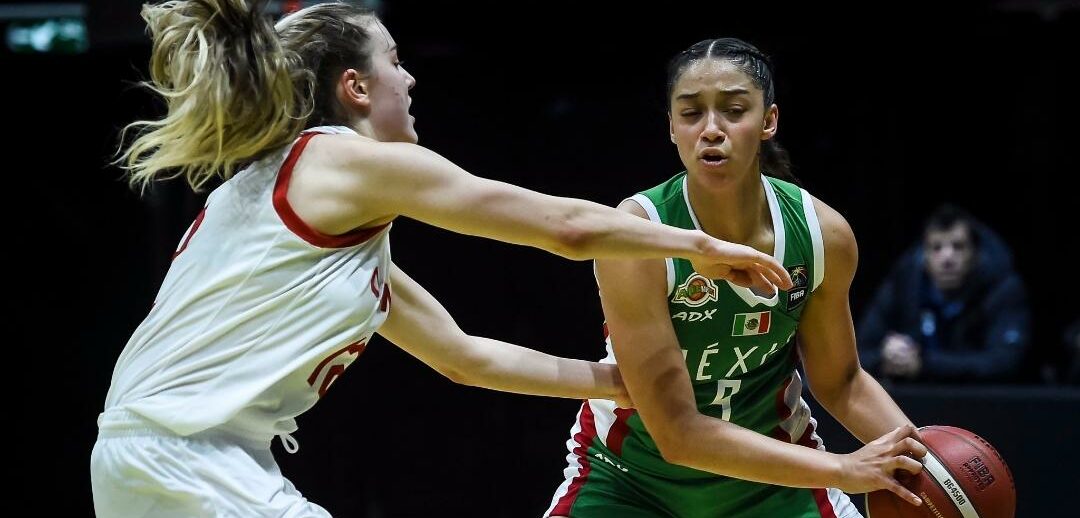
695, 291
978, 473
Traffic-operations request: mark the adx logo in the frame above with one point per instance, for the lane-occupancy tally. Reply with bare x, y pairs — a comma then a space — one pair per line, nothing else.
696, 291
694, 316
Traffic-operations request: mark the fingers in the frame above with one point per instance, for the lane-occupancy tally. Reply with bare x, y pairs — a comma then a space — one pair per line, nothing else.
742, 257
905, 463
760, 276
718, 271
903, 492
896, 436
899, 433
773, 270
769, 274
890, 437
909, 445
762, 284
741, 278
750, 278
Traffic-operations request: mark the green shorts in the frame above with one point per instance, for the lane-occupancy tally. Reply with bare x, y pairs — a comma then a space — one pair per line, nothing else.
600, 484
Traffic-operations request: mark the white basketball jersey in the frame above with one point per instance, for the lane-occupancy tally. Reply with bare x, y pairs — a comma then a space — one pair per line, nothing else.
258, 314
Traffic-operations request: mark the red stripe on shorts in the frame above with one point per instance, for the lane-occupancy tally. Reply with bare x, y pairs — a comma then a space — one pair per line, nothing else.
584, 439
823, 504
821, 496
619, 429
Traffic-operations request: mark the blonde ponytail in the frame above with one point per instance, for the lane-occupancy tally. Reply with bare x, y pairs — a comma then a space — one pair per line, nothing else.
232, 91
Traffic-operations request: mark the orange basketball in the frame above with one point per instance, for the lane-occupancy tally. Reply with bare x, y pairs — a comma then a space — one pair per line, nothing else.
963, 477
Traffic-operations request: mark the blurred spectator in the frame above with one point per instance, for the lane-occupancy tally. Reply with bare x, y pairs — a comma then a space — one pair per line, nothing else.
952, 308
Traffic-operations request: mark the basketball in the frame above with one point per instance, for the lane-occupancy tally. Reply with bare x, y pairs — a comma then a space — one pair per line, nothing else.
963, 477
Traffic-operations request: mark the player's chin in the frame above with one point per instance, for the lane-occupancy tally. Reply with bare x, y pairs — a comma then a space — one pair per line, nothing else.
716, 178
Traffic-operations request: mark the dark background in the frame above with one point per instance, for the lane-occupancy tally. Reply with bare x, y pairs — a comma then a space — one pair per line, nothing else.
887, 109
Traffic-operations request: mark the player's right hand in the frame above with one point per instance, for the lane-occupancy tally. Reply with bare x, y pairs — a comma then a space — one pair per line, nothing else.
873, 466
742, 265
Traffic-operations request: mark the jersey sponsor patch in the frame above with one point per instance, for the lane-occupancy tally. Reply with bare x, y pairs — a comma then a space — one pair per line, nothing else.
751, 324
797, 294
694, 316
696, 291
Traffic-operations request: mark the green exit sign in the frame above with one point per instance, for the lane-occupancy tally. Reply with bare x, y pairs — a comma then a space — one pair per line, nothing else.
53, 35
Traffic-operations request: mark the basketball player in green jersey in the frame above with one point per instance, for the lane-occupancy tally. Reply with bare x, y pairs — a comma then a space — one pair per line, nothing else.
719, 429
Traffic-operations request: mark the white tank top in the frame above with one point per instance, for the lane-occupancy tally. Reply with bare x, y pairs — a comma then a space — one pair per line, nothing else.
257, 315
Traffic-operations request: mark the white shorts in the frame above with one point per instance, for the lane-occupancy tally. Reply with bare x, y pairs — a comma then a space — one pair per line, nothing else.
142, 470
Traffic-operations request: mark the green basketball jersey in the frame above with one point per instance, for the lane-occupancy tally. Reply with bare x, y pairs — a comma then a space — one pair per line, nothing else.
739, 347
740, 356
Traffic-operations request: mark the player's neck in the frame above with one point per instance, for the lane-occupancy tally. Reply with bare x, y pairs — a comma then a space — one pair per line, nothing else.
362, 126
739, 214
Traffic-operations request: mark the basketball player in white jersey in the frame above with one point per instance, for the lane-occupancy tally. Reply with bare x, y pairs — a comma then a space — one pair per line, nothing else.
285, 275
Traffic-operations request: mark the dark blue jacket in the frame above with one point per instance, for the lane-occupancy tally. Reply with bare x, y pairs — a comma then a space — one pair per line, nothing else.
981, 333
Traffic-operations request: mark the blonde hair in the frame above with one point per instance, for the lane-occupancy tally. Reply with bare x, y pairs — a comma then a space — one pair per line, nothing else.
235, 86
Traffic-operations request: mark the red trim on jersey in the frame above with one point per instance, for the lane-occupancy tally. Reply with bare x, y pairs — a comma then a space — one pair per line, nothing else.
194, 227
823, 504
619, 429
387, 299
821, 496
782, 411
584, 438
807, 438
292, 220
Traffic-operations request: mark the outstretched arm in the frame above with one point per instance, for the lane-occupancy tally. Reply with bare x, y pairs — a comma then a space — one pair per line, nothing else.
421, 326
351, 182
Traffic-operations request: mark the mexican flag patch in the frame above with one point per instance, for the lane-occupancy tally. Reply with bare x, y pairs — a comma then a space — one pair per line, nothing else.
749, 324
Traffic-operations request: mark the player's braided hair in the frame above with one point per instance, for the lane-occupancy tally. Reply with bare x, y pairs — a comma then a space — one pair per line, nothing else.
758, 67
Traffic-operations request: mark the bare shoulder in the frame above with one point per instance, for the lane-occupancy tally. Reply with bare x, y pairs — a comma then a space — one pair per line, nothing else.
841, 249
356, 154
339, 182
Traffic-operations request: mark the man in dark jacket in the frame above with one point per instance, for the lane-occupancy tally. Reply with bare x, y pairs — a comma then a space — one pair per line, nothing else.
952, 309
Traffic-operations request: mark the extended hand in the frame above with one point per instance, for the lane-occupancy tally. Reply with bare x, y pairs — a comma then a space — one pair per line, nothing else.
874, 466
742, 265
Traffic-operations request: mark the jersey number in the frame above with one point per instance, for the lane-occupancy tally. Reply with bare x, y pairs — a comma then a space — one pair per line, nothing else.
334, 366
725, 389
